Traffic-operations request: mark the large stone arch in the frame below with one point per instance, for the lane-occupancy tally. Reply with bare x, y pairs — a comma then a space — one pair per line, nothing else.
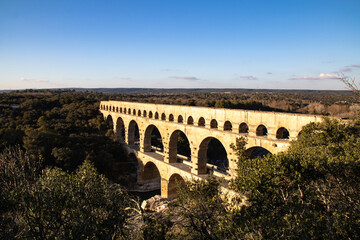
109, 121
203, 156
133, 133
178, 144
120, 129
149, 140
132, 168
173, 181
150, 173
133, 159
256, 151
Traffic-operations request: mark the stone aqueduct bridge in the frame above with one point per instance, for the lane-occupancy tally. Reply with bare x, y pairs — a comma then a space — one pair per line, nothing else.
270, 130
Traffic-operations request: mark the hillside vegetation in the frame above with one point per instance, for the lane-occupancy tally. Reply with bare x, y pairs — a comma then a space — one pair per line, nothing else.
63, 175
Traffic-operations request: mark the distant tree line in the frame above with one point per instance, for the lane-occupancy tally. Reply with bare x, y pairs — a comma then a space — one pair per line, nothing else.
341, 103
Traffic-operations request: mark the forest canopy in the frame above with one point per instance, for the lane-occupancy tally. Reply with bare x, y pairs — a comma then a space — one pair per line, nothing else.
63, 175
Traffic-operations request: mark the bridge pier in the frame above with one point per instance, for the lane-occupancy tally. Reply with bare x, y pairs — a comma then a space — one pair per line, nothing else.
198, 167
164, 188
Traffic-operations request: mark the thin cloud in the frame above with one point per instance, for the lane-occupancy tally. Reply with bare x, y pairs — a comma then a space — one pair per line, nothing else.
269, 73
248, 77
320, 77
188, 78
34, 80
122, 78
354, 65
345, 70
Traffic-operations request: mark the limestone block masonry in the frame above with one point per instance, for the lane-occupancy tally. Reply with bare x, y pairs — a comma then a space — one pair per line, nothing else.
270, 130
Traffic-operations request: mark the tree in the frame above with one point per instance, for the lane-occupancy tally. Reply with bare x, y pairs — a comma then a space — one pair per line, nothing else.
56, 204
310, 191
17, 173
77, 206
200, 211
351, 84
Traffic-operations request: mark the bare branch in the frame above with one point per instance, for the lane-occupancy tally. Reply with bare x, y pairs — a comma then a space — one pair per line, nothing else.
351, 85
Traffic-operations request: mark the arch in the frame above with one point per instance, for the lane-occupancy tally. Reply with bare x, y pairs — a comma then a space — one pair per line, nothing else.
153, 139
120, 129
144, 114
151, 173
171, 118
113, 109
190, 121
107, 108
139, 113
129, 111
201, 122
257, 151
174, 180
134, 112
110, 122
133, 159
213, 124
227, 126
117, 109
179, 144
156, 115
132, 167
261, 130
212, 151
120, 110
243, 128
282, 133
150, 114
163, 117
180, 119
133, 133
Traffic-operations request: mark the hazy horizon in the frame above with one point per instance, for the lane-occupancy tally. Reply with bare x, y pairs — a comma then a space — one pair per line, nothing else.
305, 45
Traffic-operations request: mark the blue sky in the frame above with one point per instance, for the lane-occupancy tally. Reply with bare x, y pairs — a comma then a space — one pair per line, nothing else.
289, 44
